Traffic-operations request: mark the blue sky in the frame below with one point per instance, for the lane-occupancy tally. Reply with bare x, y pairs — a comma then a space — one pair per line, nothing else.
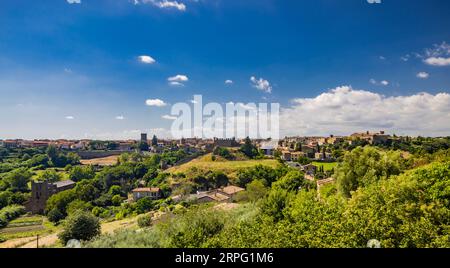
72, 70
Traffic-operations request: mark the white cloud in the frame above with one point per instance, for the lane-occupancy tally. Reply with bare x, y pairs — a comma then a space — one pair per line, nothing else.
69, 117
146, 59
261, 84
381, 83
438, 61
164, 4
438, 55
344, 110
374, 1
74, 1
168, 117
176, 84
178, 78
228, 82
120, 117
423, 75
382, 58
155, 102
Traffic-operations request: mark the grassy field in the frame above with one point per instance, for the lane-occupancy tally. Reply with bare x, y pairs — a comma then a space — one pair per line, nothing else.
205, 163
326, 166
104, 161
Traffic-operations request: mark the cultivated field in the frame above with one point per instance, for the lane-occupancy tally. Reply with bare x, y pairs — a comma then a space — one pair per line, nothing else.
205, 163
104, 161
25, 229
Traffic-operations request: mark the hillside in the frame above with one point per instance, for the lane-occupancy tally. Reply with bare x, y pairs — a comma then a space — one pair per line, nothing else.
205, 163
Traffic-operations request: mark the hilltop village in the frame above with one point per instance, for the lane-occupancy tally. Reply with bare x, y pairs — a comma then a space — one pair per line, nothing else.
295, 152
44, 184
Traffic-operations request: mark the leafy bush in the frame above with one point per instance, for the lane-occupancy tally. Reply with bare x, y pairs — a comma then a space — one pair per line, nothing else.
144, 221
9, 213
81, 225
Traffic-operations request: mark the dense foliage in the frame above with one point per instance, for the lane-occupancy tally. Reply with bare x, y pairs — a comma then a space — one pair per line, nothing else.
9, 213
390, 199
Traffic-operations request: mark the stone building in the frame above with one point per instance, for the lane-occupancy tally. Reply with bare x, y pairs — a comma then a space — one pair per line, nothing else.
42, 191
225, 142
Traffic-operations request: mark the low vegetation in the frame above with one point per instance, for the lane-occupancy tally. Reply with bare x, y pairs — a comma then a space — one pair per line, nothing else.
393, 199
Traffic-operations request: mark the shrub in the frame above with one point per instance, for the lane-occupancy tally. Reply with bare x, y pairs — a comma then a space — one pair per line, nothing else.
116, 200
55, 215
81, 225
144, 221
9, 213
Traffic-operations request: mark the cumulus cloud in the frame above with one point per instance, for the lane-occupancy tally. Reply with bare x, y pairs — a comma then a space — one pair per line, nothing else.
438, 55
344, 110
438, 61
146, 59
423, 75
178, 80
163, 4
155, 102
261, 84
74, 1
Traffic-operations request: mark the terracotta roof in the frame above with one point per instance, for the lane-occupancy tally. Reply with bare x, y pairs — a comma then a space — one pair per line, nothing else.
232, 190
325, 181
218, 196
140, 190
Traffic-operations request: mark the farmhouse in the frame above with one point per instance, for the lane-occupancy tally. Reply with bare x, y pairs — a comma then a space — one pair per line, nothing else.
221, 195
153, 193
309, 169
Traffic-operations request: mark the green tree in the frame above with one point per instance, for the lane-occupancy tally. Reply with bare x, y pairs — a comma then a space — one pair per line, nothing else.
81, 225
18, 180
79, 173
255, 191
61, 200
363, 166
154, 140
49, 175
249, 149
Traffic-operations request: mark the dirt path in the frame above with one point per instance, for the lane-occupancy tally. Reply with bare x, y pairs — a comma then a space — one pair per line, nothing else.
17, 242
49, 240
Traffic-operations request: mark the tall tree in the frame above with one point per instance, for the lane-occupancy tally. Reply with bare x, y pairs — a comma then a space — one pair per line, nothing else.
154, 140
